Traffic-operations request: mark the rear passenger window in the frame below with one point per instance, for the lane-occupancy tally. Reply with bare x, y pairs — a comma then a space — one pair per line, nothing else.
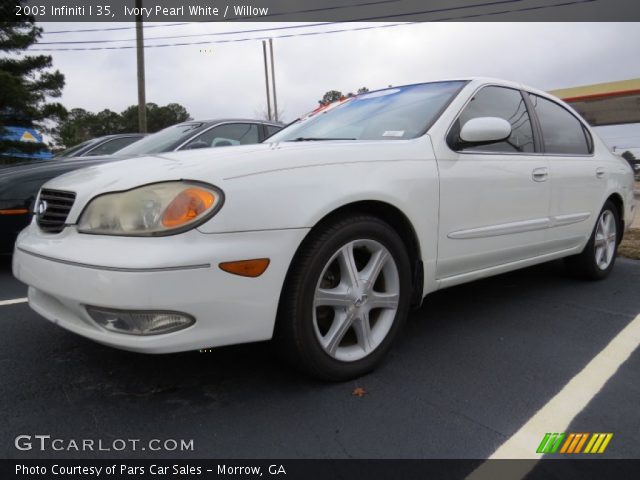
503, 103
562, 133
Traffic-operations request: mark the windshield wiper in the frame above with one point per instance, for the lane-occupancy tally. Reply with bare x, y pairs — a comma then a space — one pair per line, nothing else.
317, 139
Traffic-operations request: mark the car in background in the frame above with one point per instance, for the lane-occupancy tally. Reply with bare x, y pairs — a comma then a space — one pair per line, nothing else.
19, 184
107, 145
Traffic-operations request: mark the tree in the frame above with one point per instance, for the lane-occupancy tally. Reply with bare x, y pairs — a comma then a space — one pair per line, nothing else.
336, 95
330, 97
157, 117
26, 84
81, 125
74, 129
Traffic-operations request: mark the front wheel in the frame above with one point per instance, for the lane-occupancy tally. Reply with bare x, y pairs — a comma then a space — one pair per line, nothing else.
598, 257
345, 299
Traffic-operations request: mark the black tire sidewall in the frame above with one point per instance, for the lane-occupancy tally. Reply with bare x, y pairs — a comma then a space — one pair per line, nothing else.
326, 244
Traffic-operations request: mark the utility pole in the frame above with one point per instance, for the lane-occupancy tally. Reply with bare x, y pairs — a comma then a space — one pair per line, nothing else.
266, 76
273, 82
142, 102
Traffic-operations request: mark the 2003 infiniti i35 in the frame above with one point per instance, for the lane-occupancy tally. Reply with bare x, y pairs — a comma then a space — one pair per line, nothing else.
324, 237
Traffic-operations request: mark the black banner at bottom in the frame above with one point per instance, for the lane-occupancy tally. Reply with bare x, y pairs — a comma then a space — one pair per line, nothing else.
547, 469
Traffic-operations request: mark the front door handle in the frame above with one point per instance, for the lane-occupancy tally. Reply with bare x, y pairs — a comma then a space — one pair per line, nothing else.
540, 174
600, 172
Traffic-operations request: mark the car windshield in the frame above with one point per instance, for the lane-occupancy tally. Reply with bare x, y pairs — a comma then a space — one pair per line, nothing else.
161, 141
391, 114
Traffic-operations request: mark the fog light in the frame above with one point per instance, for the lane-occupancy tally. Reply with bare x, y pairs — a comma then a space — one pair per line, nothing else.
140, 322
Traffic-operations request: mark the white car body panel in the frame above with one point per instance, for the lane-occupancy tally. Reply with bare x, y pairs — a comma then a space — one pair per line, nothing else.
473, 215
179, 273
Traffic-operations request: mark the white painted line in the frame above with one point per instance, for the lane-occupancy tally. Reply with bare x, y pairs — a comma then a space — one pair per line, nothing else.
14, 301
560, 411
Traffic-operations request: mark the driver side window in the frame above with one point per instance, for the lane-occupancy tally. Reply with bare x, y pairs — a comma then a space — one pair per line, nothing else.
504, 103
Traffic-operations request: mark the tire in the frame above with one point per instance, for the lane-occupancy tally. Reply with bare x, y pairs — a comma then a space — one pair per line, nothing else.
336, 325
599, 255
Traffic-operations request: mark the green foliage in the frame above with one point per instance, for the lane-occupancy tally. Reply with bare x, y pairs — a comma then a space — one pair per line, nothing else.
157, 117
335, 95
330, 97
82, 125
26, 84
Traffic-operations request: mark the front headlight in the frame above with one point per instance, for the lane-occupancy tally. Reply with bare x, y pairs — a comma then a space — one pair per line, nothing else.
157, 209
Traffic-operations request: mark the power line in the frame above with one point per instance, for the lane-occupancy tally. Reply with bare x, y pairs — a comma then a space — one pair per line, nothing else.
115, 28
438, 10
191, 35
209, 42
311, 10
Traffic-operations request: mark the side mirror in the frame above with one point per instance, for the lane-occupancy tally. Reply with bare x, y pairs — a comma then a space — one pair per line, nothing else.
485, 130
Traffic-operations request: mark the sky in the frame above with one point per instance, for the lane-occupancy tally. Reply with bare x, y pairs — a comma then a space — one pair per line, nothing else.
227, 79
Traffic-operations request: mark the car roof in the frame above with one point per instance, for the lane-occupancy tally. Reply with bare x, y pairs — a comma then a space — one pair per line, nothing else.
478, 81
118, 135
229, 120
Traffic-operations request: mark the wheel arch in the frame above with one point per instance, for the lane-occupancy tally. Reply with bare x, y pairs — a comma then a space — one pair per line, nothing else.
390, 214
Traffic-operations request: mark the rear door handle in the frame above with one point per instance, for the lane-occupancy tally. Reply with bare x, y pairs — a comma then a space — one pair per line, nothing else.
540, 174
600, 172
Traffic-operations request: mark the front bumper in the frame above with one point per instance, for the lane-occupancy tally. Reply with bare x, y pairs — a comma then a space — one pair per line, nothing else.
68, 271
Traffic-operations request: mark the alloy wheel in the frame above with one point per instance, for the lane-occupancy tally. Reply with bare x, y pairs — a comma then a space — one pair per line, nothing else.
356, 300
605, 239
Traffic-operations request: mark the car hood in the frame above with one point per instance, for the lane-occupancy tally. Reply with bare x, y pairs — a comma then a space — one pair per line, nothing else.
23, 180
218, 165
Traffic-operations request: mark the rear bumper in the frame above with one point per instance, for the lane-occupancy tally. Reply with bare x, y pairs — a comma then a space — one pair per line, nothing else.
185, 277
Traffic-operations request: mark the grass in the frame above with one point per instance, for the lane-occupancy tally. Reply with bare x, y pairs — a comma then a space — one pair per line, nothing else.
630, 246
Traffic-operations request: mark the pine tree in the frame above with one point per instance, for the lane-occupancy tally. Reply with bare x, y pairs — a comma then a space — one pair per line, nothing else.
26, 84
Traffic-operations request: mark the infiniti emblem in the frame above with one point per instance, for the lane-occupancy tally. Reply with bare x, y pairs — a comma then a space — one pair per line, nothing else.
42, 207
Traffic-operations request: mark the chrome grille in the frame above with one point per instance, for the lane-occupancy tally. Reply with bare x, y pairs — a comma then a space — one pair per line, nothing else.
53, 208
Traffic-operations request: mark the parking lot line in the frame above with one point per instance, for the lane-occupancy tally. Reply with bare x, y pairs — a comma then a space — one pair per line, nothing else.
560, 411
13, 301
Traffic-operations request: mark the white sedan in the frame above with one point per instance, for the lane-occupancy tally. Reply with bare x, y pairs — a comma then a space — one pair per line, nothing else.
324, 237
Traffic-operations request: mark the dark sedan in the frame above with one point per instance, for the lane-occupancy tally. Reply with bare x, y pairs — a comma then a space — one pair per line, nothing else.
107, 145
19, 185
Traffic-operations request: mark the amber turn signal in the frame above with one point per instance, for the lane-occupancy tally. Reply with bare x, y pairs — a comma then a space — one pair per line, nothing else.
14, 211
246, 268
188, 205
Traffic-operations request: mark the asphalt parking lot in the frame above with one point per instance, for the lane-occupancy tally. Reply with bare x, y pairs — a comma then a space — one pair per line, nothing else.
474, 364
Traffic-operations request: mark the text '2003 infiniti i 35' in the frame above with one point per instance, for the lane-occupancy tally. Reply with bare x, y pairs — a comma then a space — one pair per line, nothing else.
324, 237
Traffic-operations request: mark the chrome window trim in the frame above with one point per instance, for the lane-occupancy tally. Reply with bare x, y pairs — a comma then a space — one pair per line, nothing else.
519, 154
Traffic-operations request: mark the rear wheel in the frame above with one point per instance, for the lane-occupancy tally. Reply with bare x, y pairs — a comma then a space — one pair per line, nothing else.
345, 298
598, 257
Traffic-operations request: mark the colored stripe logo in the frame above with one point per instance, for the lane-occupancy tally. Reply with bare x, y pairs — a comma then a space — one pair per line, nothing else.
569, 443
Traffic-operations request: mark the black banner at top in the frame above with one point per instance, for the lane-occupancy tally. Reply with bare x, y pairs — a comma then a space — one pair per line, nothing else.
323, 10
